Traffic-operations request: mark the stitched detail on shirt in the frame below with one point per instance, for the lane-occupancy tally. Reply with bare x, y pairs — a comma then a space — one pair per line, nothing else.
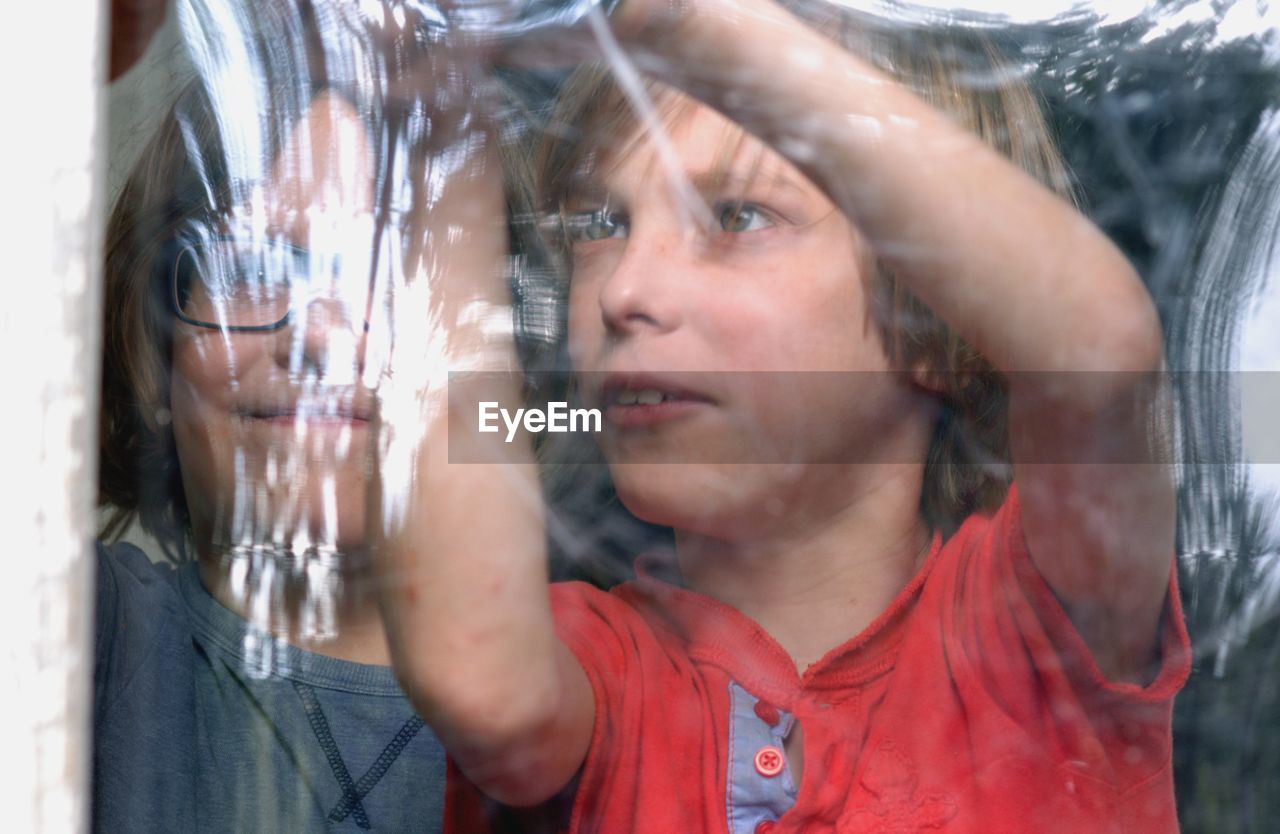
377, 770
320, 726
892, 780
353, 793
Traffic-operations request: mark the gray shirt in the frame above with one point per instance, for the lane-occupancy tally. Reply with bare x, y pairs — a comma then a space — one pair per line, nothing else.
189, 737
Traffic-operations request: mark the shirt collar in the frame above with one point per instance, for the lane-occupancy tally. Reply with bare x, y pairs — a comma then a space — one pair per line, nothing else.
717, 634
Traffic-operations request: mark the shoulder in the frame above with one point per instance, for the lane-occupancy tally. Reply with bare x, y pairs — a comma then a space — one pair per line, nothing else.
127, 566
143, 695
988, 531
139, 617
1015, 665
581, 599
995, 598
988, 555
127, 580
592, 621
620, 637
632, 608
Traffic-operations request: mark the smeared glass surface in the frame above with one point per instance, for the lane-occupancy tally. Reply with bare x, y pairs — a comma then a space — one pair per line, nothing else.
1165, 112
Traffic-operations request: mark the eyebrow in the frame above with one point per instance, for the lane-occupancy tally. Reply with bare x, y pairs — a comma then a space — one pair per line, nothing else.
713, 180
593, 189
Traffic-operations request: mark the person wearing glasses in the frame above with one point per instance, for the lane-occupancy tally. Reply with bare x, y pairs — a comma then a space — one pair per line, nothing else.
242, 683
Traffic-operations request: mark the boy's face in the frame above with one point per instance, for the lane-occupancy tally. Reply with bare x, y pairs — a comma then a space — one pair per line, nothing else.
272, 427
752, 320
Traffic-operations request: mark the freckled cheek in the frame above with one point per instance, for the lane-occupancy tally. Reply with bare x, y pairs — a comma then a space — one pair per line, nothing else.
751, 330
585, 329
837, 330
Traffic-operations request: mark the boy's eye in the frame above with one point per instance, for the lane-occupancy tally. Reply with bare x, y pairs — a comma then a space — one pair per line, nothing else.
741, 217
600, 224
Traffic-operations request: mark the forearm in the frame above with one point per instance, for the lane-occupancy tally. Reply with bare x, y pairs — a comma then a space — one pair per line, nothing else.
456, 519
461, 568
466, 606
1007, 264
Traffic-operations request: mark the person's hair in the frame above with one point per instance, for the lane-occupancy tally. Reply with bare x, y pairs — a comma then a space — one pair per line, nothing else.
183, 185
963, 75
180, 179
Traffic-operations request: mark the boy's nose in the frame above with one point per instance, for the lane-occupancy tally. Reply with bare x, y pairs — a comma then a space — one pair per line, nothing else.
641, 291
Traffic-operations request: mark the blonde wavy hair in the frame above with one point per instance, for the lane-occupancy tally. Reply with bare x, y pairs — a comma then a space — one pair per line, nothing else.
963, 75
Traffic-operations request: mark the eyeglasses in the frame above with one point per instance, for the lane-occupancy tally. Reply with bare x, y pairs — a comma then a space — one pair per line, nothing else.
230, 284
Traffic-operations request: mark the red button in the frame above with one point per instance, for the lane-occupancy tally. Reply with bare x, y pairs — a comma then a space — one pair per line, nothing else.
765, 826
770, 761
767, 713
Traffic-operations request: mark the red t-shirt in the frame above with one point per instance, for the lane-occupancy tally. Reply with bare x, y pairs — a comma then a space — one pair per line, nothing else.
970, 705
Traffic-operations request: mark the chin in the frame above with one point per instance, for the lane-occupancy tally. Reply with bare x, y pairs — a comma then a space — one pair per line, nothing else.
723, 501
325, 516
345, 530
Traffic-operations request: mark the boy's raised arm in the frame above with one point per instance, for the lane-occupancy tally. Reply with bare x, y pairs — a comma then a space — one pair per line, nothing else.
1017, 272
456, 516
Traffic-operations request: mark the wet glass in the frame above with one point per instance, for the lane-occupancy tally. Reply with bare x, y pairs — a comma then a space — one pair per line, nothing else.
366, 257
242, 284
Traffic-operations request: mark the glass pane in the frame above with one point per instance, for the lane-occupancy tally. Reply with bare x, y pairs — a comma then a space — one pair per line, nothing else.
885, 390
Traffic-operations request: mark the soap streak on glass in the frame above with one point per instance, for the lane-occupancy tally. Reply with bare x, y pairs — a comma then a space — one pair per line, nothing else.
338, 184
1164, 112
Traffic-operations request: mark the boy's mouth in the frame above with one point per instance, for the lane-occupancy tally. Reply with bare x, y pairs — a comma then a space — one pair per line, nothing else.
636, 400
641, 396
629, 389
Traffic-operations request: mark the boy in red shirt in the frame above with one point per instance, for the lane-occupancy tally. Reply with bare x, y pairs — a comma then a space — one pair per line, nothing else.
859, 631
